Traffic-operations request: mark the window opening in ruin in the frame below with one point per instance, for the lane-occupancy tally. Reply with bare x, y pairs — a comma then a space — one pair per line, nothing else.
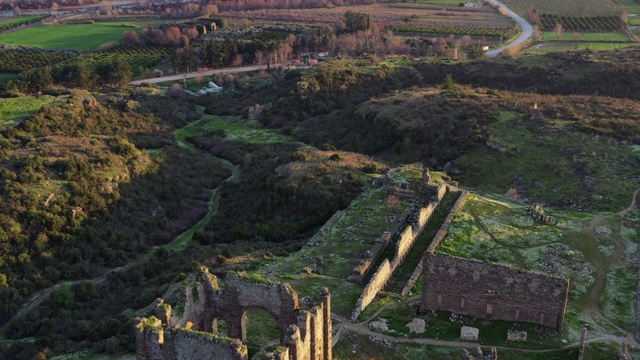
220, 327
261, 330
492, 292
489, 311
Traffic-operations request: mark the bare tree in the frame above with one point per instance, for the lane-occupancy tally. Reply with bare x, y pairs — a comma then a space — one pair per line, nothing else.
259, 57
559, 29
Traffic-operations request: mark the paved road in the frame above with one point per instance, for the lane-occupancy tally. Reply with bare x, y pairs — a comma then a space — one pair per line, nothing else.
527, 29
232, 70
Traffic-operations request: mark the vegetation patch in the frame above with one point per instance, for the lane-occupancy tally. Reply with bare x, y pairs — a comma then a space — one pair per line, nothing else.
619, 296
14, 110
75, 36
553, 164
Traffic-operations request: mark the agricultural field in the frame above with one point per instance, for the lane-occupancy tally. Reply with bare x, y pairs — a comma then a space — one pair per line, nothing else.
566, 8
570, 23
76, 36
572, 45
139, 57
12, 22
586, 36
402, 17
14, 110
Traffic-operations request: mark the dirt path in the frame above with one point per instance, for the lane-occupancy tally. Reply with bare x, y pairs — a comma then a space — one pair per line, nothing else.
363, 329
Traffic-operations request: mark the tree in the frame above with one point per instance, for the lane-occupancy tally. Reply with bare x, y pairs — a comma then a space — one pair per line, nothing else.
533, 16
35, 80
357, 21
209, 10
449, 83
624, 15
115, 72
130, 38
559, 29
259, 57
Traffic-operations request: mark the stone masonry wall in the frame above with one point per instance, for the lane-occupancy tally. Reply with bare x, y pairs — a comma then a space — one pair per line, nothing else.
377, 283
174, 337
442, 231
363, 269
491, 291
406, 240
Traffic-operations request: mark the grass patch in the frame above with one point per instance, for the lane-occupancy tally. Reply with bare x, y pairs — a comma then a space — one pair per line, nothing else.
550, 164
617, 301
604, 46
586, 36
444, 325
14, 110
353, 233
247, 131
76, 36
261, 329
18, 20
501, 232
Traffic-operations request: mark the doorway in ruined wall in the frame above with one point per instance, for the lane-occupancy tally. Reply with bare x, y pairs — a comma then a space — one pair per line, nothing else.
261, 330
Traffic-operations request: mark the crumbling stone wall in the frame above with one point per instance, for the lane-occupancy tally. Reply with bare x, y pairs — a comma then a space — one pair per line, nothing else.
361, 271
305, 330
377, 283
405, 241
491, 291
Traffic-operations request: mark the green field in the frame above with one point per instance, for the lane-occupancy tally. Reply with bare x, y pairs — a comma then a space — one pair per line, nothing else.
634, 21
77, 36
18, 20
586, 36
15, 110
551, 46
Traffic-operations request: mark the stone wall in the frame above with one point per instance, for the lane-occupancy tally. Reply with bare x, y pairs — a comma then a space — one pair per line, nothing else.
442, 232
305, 331
491, 291
377, 283
361, 271
403, 245
441, 191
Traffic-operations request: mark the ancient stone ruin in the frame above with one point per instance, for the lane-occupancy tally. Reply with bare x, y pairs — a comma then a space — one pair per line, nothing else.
191, 333
492, 291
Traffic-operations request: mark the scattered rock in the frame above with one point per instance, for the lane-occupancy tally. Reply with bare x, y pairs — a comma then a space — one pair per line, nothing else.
516, 336
469, 333
416, 326
379, 325
603, 230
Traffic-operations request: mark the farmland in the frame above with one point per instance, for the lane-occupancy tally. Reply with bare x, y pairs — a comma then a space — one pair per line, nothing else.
13, 21
566, 8
401, 17
594, 23
587, 36
573, 45
76, 36
140, 58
